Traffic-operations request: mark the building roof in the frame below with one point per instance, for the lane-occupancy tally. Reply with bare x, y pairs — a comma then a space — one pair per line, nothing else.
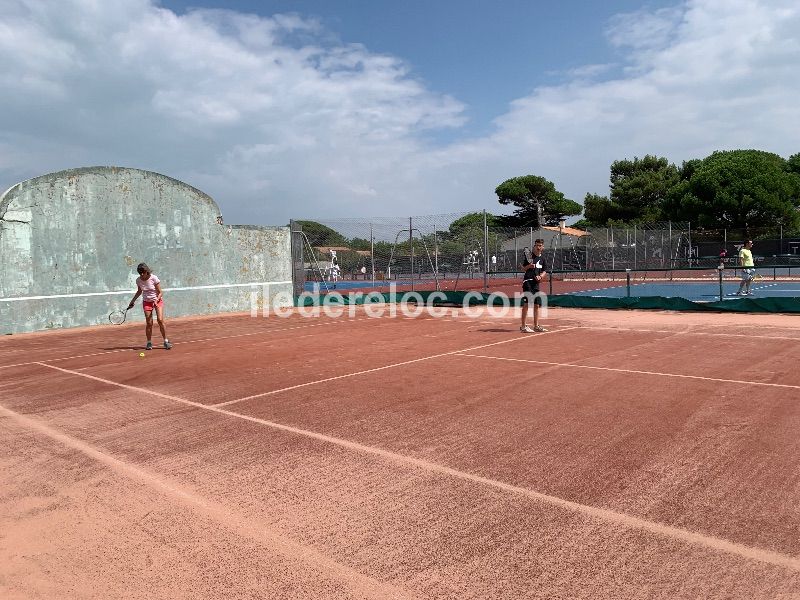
329, 248
568, 231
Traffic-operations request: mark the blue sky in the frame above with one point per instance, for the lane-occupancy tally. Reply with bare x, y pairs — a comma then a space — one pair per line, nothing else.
483, 53
324, 109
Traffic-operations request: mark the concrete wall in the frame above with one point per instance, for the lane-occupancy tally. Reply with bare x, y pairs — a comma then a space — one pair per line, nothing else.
70, 242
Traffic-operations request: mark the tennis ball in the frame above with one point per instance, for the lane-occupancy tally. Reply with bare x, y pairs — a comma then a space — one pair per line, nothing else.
141, 354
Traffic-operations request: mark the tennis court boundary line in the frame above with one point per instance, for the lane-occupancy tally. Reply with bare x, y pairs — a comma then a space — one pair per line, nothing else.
381, 368
606, 515
231, 519
634, 371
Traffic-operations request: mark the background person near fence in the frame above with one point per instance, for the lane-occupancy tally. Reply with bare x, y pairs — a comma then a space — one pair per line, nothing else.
748, 268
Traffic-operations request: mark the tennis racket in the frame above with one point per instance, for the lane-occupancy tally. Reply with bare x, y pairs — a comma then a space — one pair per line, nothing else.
528, 256
118, 317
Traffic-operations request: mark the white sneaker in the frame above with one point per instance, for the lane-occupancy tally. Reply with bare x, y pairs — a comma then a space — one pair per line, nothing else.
526, 329
539, 329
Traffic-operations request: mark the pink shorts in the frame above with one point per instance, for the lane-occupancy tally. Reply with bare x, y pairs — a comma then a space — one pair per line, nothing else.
149, 305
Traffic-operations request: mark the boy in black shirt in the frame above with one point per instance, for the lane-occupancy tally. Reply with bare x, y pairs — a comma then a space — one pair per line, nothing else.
535, 272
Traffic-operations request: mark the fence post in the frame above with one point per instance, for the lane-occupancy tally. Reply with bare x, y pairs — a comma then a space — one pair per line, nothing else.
298, 260
485, 253
411, 244
372, 253
670, 246
613, 264
435, 252
586, 246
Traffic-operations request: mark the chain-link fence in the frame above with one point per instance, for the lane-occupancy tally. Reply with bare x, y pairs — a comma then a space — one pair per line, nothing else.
449, 252
466, 252
411, 252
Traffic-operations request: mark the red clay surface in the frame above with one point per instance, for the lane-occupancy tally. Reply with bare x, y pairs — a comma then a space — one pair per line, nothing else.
621, 455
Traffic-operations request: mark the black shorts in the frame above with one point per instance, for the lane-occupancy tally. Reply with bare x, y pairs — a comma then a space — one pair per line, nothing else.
531, 286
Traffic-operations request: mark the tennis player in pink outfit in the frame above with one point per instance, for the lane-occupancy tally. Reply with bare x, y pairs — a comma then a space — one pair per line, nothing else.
148, 286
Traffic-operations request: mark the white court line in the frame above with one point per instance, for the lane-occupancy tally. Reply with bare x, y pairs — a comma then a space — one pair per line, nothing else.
198, 341
634, 371
609, 516
128, 291
221, 513
383, 368
708, 333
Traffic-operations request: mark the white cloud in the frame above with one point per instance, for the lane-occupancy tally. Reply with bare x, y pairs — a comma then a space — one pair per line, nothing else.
713, 75
275, 120
644, 30
589, 71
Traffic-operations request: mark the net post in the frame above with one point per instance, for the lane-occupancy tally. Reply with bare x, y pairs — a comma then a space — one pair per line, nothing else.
720, 267
628, 281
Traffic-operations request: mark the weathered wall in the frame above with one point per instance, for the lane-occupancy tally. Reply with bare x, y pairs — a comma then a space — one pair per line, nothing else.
70, 242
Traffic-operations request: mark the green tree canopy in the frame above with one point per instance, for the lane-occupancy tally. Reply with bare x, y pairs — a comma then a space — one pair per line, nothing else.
466, 233
597, 210
322, 235
537, 201
738, 189
639, 188
794, 163
358, 243
472, 221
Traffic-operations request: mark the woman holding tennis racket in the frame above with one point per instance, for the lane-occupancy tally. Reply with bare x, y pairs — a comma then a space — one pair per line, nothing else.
148, 286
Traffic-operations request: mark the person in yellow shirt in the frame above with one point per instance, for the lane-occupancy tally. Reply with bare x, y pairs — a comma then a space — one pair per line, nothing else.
748, 269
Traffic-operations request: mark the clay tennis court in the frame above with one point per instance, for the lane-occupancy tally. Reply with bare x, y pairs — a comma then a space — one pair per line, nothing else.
619, 455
